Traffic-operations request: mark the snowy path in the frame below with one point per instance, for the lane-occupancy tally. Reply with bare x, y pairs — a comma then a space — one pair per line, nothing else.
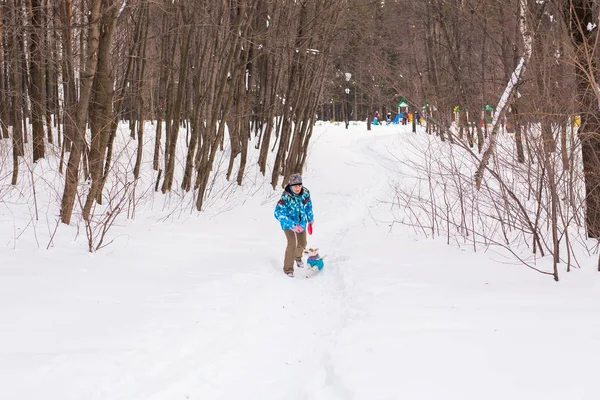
200, 309
191, 310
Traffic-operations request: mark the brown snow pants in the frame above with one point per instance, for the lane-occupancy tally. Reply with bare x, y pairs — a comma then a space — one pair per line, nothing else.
296, 243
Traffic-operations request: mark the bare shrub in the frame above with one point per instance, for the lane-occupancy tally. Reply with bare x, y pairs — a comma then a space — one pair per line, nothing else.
530, 209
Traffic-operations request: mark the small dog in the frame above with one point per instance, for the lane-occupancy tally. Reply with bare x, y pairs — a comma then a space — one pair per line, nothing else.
314, 259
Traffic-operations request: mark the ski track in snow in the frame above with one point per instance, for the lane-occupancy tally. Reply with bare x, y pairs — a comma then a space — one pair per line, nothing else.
335, 280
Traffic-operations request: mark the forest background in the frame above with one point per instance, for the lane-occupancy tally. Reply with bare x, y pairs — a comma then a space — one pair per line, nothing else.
512, 83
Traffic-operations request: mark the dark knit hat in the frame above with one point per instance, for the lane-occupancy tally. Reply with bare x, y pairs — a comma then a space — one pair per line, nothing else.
295, 179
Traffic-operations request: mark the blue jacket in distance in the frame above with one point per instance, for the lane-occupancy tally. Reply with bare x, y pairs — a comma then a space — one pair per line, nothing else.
294, 209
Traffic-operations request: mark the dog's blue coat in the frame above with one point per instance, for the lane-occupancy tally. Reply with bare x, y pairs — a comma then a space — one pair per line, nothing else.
315, 261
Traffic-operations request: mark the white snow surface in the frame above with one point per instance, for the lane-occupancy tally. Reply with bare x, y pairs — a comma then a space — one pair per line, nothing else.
197, 306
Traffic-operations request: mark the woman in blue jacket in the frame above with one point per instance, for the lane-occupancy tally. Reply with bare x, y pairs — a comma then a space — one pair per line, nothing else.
294, 213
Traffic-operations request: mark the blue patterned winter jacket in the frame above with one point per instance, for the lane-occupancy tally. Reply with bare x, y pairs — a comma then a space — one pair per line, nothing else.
294, 209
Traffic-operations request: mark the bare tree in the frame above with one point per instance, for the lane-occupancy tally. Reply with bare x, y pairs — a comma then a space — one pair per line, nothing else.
101, 103
527, 36
581, 18
16, 87
36, 66
77, 148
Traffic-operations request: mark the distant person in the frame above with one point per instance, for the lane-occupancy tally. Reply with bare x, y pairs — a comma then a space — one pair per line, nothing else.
418, 117
295, 214
389, 118
404, 117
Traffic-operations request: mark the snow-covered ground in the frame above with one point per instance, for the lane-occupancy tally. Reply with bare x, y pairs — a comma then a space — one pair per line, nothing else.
196, 306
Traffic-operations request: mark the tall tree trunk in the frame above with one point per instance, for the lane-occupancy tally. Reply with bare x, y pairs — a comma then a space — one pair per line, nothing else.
174, 131
164, 83
4, 99
48, 68
101, 104
36, 66
197, 122
24, 90
527, 36
72, 174
245, 133
140, 86
518, 133
69, 89
15, 76
579, 16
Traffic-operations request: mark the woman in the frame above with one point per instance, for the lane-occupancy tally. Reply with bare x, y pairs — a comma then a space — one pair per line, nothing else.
294, 213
